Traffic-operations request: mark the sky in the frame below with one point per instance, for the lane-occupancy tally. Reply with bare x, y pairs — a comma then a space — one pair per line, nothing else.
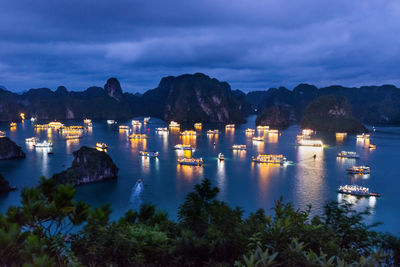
251, 44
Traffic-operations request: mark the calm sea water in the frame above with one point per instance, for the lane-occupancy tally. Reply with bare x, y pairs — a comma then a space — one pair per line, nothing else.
241, 182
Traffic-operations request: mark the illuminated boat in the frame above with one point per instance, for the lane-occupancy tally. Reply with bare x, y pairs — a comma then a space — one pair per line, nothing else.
372, 146
307, 132
123, 127
301, 137
137, 136
182, 147
356, 190
189, 133
33, 119
136, 123
174, 124
221, 156
230, 126
44, 144
211, 132
111, 121
101, 146
31, 140
258, 139
162, 130
250, 131
22, 115
41, 126
198, 125
146, 119
273, 131
2, 134
190, 161
87, 121
73, 136
13, 124
148, 154
262, 128
239, 147
313, 143
269, 158
363, 136
348, 154
341, 135
359, 170
55, 124
72, 130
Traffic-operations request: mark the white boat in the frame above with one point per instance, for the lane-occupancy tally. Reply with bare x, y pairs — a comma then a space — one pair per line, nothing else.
136, 123
356, 191
111, 122
348, 154
146, 119
221, 156
162, 130
101, 146
269, 158
211, 132
190, 161
309, 142
2, 134
239, 147
359, 170
33, 119
32, 140
182, 147
44, 144
148, 154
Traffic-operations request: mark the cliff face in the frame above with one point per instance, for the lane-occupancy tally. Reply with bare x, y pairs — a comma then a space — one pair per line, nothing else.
275, 117
331, 113
10, 150
197, 97
88, 166
113, 89
4, 185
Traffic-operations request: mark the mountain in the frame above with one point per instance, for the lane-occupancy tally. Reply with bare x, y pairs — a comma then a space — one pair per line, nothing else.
9, 149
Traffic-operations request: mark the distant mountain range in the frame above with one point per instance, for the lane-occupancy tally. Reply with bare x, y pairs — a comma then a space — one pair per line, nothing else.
198, 98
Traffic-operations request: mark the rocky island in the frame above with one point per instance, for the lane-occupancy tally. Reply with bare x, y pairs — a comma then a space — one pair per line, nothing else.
9, 149
275, 117
89, 166
332, 114
5, 185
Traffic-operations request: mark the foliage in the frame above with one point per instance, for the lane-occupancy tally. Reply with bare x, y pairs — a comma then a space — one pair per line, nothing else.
50, 228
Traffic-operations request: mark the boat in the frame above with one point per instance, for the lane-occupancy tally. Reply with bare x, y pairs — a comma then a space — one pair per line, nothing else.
348, 154
372, 146
174, 124
41, 126
258, 138
72, 130
148, 154
250, 131
359, 170
189, 133
270, 158
262, 128
182, 147
123, 127
13, 124
363, 136
73, 136
307, 132
101, 146
273, 131
136, 123
44, 144
309, 142
239, 147
230, 126
198, 125
162, 130
211, 132
137, 136
301, 136
31, 140
111, 122
87, 121
33, 119
356, 190
221, 156
146, 119
191, 161
341, 135
55, 124
2, 134
22, 115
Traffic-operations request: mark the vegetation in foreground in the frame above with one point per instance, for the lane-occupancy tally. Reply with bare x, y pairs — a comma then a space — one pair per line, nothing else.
50, 228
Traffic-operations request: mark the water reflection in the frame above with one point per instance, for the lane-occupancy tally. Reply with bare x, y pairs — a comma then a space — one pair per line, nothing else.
221, 177
264, 172
359, 203
136, 193
138, 144
189, 172
241, 154
272, 137
189, 140
145, 165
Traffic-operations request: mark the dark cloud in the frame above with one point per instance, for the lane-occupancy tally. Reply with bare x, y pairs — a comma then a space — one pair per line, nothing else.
250, 44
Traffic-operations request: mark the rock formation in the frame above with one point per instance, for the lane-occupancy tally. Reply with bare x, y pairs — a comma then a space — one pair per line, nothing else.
5, 185
10, 150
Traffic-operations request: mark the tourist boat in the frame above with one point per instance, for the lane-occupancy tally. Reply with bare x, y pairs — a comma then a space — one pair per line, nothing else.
72, 130
230, 126
174, 124
301, 137
341, 135
190, 161
146, 119
239, 147
189, 133
73, 136
221, 156
101, 147
198, 125
13, 124
372, 146
55, 124
123, 127
307, 132
262, 128
44, 144
31, 140
250, 131
182, 147
363, 136
313, 143
136, 123
33, 119
258, 138
137, 136
359, 170
269, 158
2, 134
41, 126
356, 190
111, 121
148, 154
87, 121
162, 130
273, 131
211, 132
22, 115
348, 154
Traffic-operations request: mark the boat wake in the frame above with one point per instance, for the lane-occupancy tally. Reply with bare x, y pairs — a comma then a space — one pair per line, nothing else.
135, 198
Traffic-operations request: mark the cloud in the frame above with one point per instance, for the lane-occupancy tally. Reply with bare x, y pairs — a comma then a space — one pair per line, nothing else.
251, 44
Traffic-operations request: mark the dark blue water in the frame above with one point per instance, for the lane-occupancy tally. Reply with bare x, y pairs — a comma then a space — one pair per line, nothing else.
241, 182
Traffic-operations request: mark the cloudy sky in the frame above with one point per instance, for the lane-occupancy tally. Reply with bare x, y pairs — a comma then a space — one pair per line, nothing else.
252, 44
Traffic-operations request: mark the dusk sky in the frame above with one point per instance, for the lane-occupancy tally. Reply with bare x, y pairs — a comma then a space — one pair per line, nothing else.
253, 45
